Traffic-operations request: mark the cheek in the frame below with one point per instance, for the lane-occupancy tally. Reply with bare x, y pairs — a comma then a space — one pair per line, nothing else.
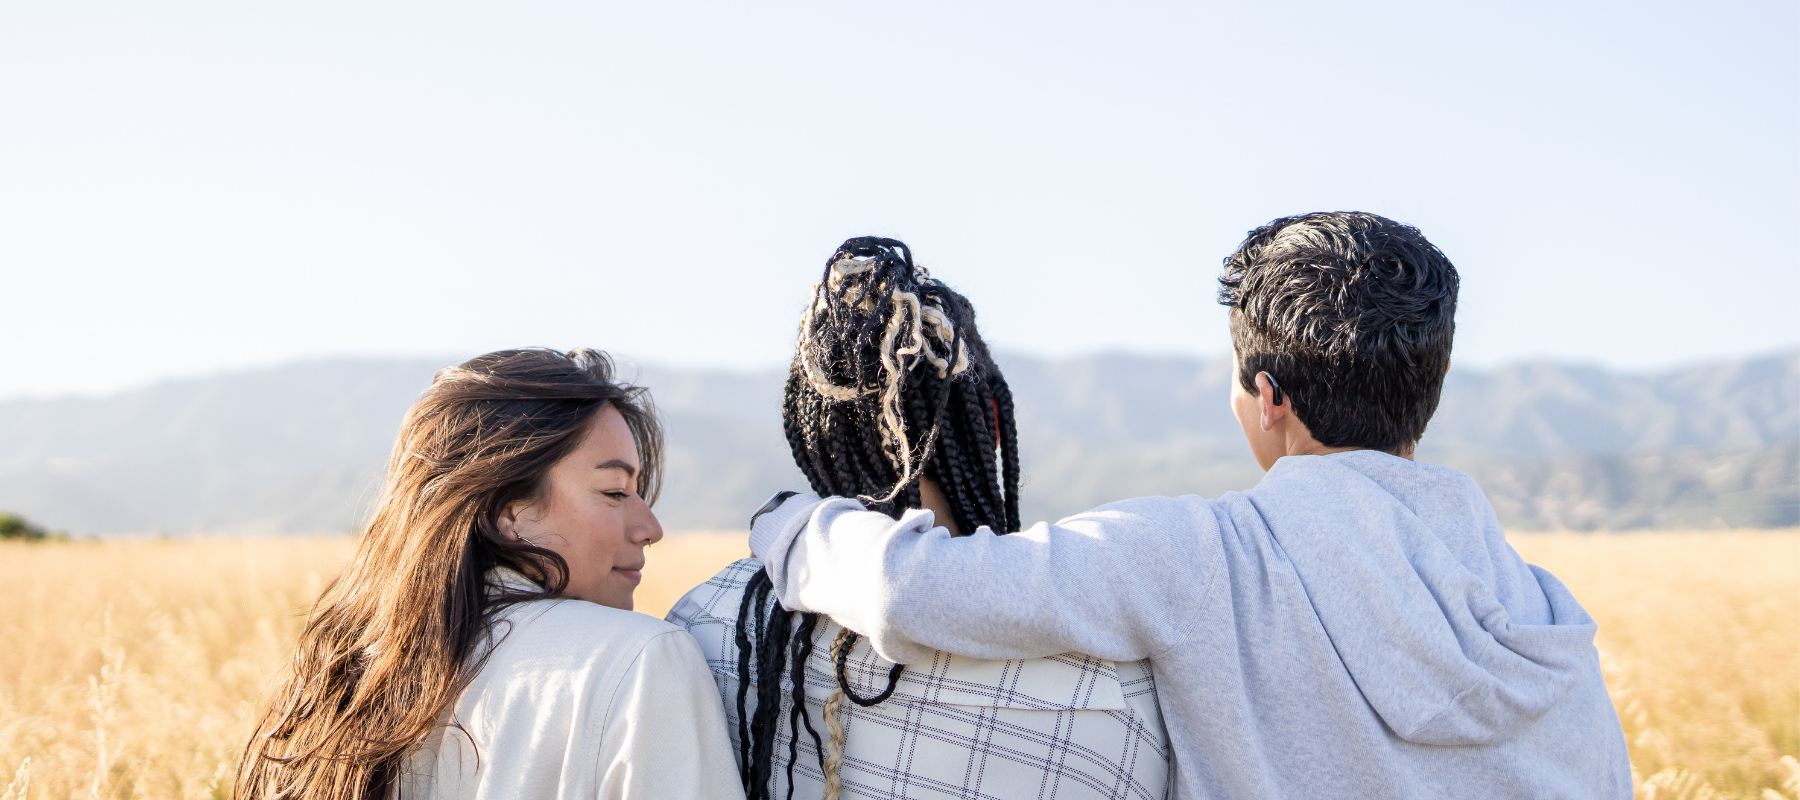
603, 527
1241, 405
585, 525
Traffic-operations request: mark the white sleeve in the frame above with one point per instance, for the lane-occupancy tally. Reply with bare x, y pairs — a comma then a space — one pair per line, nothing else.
1118, 582
665, 734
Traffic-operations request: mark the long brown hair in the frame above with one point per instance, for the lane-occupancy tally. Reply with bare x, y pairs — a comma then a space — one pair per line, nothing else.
391, 643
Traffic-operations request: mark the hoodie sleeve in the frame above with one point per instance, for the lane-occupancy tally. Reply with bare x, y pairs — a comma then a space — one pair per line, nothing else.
1112, 582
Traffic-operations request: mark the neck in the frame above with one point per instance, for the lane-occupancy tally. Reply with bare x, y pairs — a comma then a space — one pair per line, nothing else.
931, 496
1309, 446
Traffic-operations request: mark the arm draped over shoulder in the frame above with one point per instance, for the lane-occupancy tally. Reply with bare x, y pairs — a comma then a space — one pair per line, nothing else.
1109, 582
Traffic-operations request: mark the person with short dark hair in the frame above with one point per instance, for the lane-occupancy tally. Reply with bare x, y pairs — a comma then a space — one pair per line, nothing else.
1354, 626
1355, 313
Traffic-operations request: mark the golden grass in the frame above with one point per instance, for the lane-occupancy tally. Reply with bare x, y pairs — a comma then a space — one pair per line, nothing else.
683, 561
131, 669
1700, 641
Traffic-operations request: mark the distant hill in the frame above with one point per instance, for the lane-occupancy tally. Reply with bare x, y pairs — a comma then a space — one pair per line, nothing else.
1553, 445
301, 448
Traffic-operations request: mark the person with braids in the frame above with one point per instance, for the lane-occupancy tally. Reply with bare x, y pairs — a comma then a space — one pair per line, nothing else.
1356, 625
481, 643
893, 400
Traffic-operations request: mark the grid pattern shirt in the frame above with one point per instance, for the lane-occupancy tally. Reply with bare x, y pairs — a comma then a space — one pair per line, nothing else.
1057, 728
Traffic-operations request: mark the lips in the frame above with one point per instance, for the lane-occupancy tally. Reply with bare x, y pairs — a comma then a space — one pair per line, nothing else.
631, 575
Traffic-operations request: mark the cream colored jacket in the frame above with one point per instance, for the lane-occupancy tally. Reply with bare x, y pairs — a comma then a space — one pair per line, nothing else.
578, 700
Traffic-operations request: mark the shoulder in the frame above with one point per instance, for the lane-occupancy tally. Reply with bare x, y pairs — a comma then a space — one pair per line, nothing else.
552, 663
582, 618
573, 633
710, 611
1453, 483
718, 599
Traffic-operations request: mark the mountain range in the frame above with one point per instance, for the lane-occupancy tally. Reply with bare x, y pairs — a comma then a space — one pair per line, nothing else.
301, 448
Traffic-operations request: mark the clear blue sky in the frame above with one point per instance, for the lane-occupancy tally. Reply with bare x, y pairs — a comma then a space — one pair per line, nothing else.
187, 187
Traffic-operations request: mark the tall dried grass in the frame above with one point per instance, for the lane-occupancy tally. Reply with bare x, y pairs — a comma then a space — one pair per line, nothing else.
131, 669
1700, 641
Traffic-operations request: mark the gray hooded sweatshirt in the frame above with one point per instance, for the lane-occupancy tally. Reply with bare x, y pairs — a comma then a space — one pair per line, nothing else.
1354, 626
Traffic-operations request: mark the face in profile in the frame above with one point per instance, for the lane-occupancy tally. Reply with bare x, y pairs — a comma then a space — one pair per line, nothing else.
589, 512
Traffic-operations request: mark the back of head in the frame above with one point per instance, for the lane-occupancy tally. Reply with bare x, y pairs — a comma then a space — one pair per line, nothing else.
1353, 315
391, 642
891, 381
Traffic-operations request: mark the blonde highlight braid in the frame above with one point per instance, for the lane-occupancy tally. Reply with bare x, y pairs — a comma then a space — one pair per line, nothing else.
834, 747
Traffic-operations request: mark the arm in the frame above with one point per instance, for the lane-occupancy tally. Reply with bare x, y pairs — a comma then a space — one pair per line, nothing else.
1114, 582
665, 733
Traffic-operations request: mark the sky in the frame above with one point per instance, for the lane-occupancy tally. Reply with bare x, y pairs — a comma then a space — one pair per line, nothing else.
191, 187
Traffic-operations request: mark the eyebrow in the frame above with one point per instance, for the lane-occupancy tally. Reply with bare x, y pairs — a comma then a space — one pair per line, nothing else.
630, 470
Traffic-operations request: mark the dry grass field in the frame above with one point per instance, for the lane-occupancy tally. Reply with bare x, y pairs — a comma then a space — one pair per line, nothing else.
130, 669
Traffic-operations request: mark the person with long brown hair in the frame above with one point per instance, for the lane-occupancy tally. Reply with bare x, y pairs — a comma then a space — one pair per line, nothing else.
481, 642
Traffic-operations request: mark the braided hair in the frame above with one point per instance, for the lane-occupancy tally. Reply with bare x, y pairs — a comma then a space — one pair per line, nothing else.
890, 383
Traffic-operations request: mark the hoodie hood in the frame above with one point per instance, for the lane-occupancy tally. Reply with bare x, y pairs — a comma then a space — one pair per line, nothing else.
1449, 635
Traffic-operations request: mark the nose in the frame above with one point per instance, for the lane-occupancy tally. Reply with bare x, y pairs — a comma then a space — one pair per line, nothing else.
642, 528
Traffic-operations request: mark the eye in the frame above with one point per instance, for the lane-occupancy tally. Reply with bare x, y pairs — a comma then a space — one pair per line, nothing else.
618, 494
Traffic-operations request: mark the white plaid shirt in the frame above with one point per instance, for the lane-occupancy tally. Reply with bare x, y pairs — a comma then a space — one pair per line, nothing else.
1057, 728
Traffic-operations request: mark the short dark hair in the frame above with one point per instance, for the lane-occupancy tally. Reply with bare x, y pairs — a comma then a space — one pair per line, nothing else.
1353, 315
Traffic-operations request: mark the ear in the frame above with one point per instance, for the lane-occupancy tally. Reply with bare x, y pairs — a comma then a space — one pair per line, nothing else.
1272, 412
508, 520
